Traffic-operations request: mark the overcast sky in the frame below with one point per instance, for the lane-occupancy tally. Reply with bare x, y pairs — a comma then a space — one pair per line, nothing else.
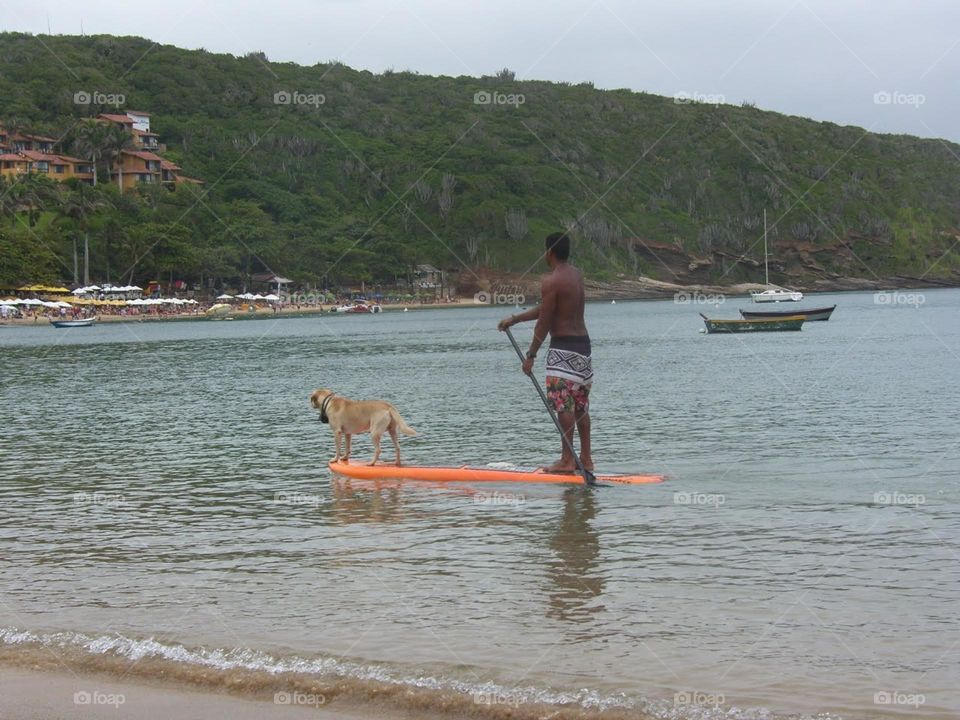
886, 65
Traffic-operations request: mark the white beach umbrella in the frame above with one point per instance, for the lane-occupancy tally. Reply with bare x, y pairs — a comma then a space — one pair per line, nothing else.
224, 297
31, 301
271, 297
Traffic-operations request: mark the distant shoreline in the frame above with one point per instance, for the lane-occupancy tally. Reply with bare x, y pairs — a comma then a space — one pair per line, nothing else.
660, 291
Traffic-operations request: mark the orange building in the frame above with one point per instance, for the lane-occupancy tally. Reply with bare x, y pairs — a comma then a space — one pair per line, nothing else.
137, 167
22, 152
57, 167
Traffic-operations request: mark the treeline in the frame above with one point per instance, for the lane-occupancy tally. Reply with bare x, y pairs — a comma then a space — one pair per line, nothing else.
332, 175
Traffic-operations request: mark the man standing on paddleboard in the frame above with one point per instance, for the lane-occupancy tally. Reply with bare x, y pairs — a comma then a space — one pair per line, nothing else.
569, 366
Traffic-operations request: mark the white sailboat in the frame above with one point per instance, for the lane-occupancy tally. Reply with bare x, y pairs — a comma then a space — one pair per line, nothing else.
774, 294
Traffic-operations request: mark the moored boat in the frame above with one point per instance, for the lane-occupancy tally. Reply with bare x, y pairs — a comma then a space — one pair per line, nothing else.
791, 322
772, 293
82, 322
776, 295
359, 307
810, 315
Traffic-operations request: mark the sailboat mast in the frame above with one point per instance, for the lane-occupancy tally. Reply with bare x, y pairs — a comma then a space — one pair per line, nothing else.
766, 265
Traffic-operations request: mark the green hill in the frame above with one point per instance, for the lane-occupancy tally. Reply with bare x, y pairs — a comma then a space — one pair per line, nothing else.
360, 176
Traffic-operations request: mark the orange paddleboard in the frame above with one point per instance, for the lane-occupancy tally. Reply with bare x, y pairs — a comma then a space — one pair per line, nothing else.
467, 473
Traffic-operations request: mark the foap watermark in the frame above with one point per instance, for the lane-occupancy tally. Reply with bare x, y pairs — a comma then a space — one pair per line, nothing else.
499, 498
486, 97
914, 700
95, 697
885, 497
83, 97
501, 295
295, 97
895, 97
297, 498
698, 298
304, 298
913, 299
299, 698
698, 498
101, 499
500, 697
685, 97
698, 698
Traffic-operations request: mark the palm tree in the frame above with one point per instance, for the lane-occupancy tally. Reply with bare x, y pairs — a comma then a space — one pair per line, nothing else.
77, 205
118, 140
29, 194
8, 206
90, 143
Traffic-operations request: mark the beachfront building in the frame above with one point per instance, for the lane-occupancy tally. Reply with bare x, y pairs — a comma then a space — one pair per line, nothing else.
141, 120
55, 166
20, 141
137, 167
141, 165
22, 153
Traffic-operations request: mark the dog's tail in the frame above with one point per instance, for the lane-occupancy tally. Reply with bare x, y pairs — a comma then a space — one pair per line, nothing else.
401, 424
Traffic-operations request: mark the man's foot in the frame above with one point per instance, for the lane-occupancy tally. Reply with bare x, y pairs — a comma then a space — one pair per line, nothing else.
587, 463
561, 466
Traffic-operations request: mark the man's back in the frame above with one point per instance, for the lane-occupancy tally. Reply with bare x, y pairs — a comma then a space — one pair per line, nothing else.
566, 281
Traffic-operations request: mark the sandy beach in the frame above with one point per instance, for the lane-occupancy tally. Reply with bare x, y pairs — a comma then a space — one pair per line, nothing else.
56, 695
260, 313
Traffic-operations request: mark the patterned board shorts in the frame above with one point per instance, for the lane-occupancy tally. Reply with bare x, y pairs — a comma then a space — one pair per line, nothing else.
567, 395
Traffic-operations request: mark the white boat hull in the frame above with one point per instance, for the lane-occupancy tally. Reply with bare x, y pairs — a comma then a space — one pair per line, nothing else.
87, 322
768, 296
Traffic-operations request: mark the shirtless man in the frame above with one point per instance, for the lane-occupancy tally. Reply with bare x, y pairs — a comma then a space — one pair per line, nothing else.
569, 368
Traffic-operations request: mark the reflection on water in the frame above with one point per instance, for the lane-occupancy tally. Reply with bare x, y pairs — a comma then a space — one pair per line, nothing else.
366, 501
576, 581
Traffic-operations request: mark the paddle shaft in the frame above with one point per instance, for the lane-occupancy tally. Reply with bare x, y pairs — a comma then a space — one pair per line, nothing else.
588, 476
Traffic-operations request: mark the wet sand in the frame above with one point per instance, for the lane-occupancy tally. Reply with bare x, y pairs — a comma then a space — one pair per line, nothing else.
53, 695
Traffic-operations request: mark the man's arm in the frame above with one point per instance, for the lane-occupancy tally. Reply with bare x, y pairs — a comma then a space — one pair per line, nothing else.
547, 309
527, 315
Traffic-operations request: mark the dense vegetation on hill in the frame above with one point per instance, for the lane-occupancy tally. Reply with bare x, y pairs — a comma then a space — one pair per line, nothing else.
360, 176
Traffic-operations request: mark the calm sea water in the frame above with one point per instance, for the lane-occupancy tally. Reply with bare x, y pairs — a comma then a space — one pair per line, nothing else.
164, 495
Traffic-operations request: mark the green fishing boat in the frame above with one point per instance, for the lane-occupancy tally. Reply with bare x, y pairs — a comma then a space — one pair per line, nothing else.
792, 322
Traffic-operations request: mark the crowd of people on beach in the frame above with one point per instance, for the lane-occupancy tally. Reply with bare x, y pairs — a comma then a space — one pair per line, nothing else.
27, 304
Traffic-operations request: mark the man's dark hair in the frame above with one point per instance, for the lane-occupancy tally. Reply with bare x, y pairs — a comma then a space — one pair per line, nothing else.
560, 244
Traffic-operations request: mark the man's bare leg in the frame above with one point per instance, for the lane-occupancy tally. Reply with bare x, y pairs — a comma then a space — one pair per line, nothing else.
583, 430
566, 462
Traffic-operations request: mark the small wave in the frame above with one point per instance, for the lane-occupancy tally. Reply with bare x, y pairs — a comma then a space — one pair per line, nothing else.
255, 672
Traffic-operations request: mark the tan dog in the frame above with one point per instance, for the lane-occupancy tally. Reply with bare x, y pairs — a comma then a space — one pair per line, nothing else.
349, 417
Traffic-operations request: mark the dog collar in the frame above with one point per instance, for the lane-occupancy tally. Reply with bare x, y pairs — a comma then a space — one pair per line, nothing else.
324, 418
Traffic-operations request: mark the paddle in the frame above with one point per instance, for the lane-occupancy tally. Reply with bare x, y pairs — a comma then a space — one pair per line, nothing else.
588, 477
